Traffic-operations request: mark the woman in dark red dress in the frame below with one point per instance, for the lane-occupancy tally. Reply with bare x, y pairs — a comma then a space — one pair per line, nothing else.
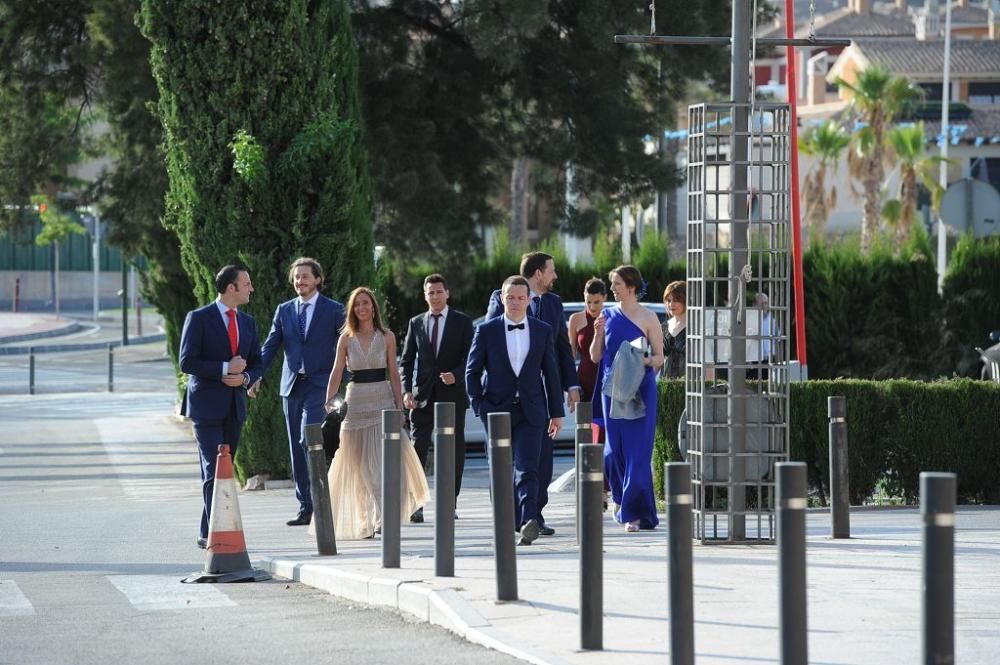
581, 334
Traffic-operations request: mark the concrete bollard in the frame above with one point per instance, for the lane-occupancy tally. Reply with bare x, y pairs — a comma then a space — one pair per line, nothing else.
444, 489
31, 370
502, 490
392, 485
840, 486
326, 537
680, 577
584, 436
937, 507
792, 562
590, 484
111, 368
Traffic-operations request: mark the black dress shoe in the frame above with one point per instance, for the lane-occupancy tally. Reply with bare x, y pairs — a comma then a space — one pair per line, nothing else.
203, 543
529, 532
418, 516
303, 519
546, 531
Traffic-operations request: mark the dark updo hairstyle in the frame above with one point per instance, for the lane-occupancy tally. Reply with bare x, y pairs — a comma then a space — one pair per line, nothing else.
678, 290
595, 287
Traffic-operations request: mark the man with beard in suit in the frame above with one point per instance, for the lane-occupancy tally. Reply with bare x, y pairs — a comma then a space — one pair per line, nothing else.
434, 356
307, 327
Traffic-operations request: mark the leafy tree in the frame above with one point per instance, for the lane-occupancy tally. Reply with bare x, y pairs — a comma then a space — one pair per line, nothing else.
826, 143
908, 146
265, 158
56, 226
877, 97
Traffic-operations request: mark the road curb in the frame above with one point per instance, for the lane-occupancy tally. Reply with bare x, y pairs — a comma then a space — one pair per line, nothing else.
443, 607
71, 327
82, 346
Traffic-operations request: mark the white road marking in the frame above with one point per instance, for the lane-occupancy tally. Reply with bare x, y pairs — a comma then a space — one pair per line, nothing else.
13, 603
166, 592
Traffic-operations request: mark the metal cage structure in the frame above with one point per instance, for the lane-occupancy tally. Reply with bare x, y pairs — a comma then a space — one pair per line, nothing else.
739, 313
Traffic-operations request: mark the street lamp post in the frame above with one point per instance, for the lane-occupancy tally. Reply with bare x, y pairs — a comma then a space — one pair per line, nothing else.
942, 240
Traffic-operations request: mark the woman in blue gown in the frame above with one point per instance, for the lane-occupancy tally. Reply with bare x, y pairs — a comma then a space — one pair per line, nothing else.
628, 447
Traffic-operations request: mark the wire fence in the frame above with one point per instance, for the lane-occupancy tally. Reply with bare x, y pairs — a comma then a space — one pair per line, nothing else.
141, 368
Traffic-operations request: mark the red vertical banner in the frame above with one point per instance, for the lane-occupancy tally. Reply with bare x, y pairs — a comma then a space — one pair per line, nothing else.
798, 284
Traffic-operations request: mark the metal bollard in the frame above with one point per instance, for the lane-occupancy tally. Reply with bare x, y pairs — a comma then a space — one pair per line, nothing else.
584, 436
392, 486
319, 488
680, 568
840, 486
111, 368
792, 562
444, 489
590, 484
31, 370
502, 489
937, 506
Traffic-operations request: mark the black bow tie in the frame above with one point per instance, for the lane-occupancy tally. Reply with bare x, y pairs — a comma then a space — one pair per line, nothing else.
515, 326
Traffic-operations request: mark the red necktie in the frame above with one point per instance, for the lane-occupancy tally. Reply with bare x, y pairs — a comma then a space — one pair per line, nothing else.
234, 340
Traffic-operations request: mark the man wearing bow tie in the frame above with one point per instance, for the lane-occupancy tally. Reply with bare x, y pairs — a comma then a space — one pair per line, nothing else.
539, 269
220, 353
307, 327
512, 367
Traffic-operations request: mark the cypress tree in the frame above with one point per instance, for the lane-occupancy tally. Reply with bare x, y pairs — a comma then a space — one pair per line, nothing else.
259, 104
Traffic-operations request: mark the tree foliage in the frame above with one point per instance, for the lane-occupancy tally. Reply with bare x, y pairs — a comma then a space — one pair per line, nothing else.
265, 158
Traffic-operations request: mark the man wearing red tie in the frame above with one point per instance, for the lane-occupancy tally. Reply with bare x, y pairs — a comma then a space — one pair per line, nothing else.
220, 353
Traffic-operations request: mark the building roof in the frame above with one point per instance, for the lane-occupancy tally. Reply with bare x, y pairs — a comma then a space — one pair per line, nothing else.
884, 21
982, 126
924, 60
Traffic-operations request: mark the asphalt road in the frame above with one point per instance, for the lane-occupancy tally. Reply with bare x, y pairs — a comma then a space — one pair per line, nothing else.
97, 526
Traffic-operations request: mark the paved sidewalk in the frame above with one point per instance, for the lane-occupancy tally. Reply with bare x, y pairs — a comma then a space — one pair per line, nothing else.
23, 326
864, 594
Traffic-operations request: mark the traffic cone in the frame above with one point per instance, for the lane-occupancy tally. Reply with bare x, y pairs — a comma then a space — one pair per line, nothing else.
228, 560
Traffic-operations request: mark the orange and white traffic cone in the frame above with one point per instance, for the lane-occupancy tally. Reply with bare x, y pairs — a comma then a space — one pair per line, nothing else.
228, 560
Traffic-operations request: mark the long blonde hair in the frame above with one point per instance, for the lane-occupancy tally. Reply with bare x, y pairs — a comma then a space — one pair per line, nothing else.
351, 323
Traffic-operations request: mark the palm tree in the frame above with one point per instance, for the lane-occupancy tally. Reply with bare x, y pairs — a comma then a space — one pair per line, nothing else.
826, 143
877, 99
908, 145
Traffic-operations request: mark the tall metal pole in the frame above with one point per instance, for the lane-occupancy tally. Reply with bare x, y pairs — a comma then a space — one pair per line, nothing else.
742, 90
124, 293
97, 265
942, 240
584, 436
798, 282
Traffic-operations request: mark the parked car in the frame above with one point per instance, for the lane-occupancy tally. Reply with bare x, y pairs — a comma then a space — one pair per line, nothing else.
475, 432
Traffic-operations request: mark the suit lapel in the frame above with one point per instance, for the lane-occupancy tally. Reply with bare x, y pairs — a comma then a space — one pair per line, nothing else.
217, 322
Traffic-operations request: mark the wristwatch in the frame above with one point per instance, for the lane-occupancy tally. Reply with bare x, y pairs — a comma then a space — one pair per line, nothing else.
246, 379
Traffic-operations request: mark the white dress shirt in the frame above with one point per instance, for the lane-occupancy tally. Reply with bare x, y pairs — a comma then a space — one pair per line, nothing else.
518, 343
430, 326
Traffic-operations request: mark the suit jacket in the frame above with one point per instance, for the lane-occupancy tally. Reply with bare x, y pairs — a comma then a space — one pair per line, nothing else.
495, 391
421, 367
550, 310
315, 353
204, 347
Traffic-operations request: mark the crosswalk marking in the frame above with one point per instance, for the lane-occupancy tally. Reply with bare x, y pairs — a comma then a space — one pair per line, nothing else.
165, 592
12, 602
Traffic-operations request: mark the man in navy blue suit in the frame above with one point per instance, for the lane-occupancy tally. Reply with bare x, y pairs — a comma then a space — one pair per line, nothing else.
307, 327
539, 269
517, 355
220, 351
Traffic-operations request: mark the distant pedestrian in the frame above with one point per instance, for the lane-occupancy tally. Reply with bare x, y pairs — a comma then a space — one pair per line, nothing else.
675, 331
220, 353
435, 352
306, 328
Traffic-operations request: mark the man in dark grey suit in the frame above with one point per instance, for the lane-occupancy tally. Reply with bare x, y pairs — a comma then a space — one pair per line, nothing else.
307, 328
434, 356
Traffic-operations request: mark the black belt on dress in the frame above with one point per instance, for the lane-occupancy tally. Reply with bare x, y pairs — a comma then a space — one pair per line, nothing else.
368, 375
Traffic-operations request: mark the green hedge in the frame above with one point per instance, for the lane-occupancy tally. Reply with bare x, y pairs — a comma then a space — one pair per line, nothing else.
895, 430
